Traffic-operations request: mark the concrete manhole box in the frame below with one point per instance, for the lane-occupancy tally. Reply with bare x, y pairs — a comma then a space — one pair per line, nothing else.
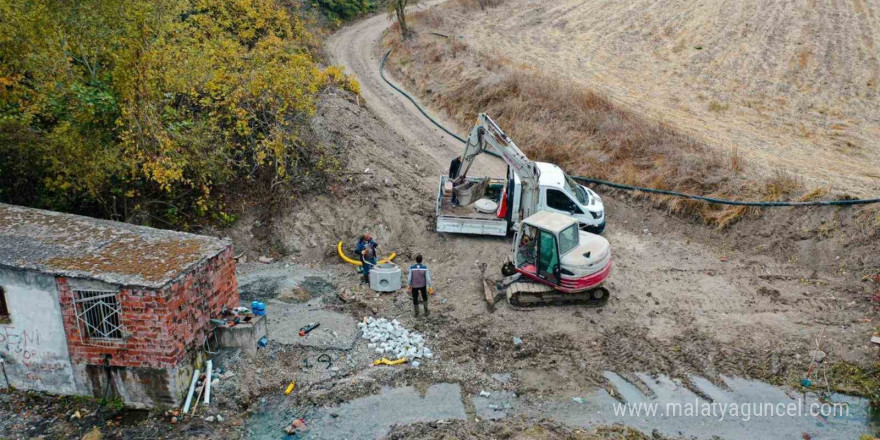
385, 277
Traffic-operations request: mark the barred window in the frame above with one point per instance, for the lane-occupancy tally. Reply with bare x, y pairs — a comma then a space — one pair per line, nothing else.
98, 315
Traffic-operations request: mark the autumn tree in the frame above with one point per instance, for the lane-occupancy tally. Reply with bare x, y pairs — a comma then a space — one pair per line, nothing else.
152, 111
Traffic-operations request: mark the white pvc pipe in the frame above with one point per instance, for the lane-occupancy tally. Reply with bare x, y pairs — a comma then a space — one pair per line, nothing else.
192, 389
208, 384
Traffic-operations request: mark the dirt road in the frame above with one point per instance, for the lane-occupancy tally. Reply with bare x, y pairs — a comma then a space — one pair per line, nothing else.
685, 299
356, 47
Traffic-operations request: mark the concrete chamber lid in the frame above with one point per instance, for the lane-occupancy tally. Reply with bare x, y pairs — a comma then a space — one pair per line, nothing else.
486, 206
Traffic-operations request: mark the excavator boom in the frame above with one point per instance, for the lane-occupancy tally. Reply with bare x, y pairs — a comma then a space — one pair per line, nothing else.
488, 136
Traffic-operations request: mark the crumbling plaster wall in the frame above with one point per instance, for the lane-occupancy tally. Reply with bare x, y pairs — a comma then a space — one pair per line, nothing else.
33, 344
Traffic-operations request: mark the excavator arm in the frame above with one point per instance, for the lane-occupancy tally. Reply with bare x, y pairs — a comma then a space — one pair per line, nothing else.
486, 135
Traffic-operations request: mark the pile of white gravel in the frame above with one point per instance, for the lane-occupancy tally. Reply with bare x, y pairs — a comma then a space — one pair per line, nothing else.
393, 339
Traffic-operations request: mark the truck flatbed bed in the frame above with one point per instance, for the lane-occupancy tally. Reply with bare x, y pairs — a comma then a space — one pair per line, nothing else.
466, 219
447, 209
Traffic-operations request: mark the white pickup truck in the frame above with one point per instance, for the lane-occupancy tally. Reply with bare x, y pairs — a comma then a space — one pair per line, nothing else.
558, 193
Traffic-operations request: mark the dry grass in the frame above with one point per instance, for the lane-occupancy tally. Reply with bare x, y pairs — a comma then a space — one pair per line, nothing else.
479, 4
735, 162
815, 194
790, 86
557, 121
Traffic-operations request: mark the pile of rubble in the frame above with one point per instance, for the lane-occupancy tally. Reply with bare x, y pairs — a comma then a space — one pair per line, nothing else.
392, 338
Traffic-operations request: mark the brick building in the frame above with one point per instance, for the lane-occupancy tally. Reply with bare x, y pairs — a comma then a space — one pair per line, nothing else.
87, 302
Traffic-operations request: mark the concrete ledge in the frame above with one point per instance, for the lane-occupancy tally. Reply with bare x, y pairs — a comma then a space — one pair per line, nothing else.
244, 336
139, 387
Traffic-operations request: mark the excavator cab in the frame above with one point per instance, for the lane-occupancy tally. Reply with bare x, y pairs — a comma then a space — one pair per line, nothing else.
538, 253
551, 249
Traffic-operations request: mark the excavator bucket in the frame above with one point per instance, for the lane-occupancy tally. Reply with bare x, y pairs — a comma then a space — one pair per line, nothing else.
493, 295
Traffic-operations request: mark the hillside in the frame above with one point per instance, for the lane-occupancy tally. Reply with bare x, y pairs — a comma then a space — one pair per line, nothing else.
792, 85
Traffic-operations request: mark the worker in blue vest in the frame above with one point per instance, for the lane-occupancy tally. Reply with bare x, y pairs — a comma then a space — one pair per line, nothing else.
419, 279
366, 250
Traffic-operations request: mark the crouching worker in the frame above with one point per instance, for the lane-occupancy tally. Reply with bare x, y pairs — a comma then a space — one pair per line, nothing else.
419, 278
366, 249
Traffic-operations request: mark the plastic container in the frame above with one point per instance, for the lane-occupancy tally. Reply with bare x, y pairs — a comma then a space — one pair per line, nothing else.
385, 277
258, 308
471, 191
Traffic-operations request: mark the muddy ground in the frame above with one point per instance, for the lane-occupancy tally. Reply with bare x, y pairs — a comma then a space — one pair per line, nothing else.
749, 301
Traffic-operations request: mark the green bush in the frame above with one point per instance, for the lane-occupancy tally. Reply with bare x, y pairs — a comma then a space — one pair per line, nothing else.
346, 9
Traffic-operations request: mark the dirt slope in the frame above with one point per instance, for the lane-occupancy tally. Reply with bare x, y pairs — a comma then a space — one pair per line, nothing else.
794, 85
686, 299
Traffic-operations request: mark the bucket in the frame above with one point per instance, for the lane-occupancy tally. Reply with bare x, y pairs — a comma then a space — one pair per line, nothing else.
471, 191
385, 277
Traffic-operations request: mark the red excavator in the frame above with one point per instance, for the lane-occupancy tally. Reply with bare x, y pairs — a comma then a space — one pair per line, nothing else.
554, 262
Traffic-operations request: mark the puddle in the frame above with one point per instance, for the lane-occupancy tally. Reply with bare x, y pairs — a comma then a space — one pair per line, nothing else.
318, 286
700, 410
362, 418
287, 282
742, 409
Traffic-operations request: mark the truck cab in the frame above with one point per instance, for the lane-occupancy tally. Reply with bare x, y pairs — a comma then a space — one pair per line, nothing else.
561, 194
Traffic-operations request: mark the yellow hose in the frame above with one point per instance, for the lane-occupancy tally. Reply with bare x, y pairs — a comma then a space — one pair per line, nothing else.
356, 262
386, 361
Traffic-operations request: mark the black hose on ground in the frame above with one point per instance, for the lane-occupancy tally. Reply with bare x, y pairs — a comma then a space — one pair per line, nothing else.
727, 202
848, 202
326, 358
410, 98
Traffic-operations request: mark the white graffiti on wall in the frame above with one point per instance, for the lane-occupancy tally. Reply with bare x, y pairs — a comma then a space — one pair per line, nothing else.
23, 347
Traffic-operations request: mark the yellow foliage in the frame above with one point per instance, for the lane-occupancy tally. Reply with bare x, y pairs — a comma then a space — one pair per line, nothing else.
158, 101
334, 75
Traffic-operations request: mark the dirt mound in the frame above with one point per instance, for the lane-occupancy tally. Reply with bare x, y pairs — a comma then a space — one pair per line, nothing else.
379, 192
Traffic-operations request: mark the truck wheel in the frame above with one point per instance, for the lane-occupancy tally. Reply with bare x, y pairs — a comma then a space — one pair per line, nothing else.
508, 269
